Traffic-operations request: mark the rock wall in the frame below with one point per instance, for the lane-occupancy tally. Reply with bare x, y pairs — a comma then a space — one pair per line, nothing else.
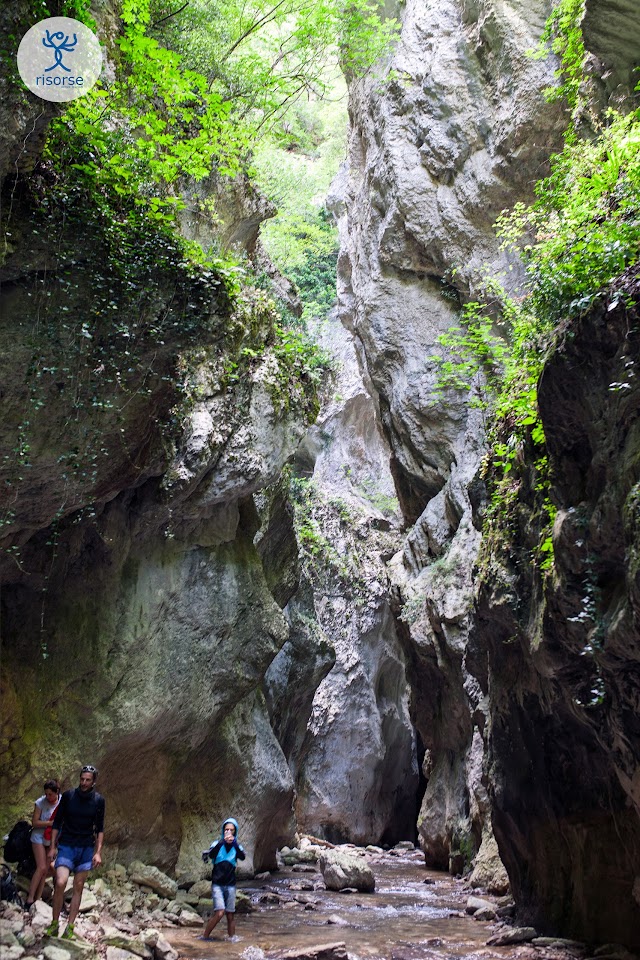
337, 691
137, 616
560, 655
457, 132
147, 547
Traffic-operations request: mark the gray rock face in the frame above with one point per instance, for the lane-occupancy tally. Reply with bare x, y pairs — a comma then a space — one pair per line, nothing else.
564, 652
460, 132
129, 462
24, 118
612, 33
337, 690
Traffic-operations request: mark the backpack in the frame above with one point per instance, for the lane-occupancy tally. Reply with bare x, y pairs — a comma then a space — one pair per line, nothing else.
17, 846
8, 889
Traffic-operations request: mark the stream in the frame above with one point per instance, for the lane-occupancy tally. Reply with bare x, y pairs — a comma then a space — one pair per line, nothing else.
414, 914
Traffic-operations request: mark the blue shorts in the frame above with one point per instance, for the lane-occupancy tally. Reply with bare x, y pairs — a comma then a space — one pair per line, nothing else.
75, 858
224, 898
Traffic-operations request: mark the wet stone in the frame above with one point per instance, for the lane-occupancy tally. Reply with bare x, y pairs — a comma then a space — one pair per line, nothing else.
514, 935
485, 914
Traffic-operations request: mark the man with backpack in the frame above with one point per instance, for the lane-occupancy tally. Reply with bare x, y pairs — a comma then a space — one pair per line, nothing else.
76, 844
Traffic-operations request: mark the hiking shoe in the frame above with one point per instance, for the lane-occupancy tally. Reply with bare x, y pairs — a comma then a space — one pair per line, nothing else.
68, 933
52, 929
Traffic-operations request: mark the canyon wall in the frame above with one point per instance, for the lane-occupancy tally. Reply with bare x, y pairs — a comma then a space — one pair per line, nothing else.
559, 654
527, 721
148, 544
457, 131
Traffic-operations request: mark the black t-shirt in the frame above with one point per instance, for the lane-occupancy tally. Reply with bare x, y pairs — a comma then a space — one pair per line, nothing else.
79, 817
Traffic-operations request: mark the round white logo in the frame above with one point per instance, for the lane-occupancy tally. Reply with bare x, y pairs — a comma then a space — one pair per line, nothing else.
59, 59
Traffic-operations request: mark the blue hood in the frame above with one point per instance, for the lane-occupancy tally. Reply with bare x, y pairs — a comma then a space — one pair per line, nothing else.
229, 820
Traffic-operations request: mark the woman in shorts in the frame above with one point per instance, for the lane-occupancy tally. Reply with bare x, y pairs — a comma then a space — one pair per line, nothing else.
42, 822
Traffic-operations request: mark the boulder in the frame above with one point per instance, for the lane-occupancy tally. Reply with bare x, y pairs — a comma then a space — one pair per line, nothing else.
27, 937
8, 938
513, 935
12, 923
69, 950
41, 917
89, 901
296, 855
101, 888
341, 870
144, 875
189, 919
485, 913
477, 903
163, 950
488, 870
13, 952
183, 897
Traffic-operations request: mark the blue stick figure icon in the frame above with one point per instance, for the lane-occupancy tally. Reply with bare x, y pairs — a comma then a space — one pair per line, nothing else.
58, 42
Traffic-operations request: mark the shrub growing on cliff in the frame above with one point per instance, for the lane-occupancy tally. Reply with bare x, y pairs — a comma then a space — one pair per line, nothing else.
579, 235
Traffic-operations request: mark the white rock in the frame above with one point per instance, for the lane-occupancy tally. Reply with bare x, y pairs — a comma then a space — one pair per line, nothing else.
477, 903
163, 949
148, 876
190, 919
12, 952
41, 911
341, 870
89, 901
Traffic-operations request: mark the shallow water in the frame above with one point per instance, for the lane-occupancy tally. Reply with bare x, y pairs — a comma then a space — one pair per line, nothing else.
405, 919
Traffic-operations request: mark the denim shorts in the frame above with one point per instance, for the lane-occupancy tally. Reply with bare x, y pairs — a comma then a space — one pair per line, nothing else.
75, 858
39, 838
224, 898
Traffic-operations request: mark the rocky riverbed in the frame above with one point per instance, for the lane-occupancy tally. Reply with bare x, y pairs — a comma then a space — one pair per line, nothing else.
324, 903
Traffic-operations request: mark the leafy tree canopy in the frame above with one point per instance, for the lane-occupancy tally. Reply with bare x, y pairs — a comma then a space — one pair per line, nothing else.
264, 55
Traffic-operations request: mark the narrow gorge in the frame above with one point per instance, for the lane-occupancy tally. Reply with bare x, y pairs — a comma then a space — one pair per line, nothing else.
317, 585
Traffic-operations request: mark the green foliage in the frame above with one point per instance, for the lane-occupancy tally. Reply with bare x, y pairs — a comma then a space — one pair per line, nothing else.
563, 35
289, 364
265, 55
317, 554
585, 222
295, 168
474, 357
579, 235
134, 138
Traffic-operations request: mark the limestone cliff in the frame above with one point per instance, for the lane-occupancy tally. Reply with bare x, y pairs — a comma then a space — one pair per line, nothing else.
137, 617
560, 653
337, 691
458, 131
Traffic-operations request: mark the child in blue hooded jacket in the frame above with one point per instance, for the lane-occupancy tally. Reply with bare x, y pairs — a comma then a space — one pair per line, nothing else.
224, 854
